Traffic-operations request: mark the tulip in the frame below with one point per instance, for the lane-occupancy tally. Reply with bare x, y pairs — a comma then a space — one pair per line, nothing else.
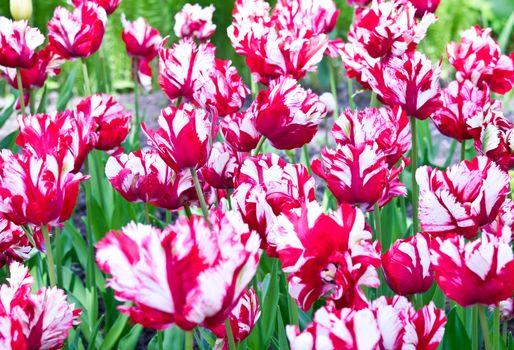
406, 265
478, 58
40, 320
183, 263
359, 175
493, 135
409, 81
287, 114
21, 9
14, 244
239, 130
37, 190
242, 318
266, 186
18, 43
461, 199
181, 68
461, 102
142, 176
320, 265
223, 91
141, 40
388, 128
221, 166
483, 266
425, 6
108, 5
112, 121
316, 16
77, 34
182, 139
194, 22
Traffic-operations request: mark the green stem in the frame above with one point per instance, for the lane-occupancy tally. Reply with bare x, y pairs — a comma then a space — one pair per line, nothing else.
485, 328
30, 236
49, 255
188, 341
505, 331
414, 166
58, 255
85, 75
349, 84
333, 86
147, 214
306, 158
378, 223
230, 336
20, 91
463, 150
259, 145
229, 198
474, 328
201, 198
137, 120
254, 87
160, 340
32, 102
496, 328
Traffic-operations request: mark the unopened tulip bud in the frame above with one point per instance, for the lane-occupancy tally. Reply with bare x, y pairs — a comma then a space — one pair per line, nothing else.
329, 100
21, 9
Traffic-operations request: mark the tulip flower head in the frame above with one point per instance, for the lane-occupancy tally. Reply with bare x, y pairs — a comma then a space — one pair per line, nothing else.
194, 22
461, 199
483, 266
239, 130
287, 114
243, 317
182, 139
18, 43
108, 5
478, 58
183, 263
321, 265
40, 320
461, 101
37, 190
142, 176
406, 265
77, 34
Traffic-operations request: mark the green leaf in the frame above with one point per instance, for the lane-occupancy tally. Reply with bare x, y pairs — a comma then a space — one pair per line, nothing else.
506, 33
129, 342
114, 333
9, 140
66, 91
44, 101
92, 337
7, 112
455, 335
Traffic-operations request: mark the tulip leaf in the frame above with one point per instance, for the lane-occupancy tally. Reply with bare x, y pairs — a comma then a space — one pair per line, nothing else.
455, 335
94, 333
7, 112
506, 33
129, 341
43, 102
114, 333
66, 91
9, 140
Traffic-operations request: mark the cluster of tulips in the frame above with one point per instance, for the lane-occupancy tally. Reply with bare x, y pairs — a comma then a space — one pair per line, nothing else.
239, 216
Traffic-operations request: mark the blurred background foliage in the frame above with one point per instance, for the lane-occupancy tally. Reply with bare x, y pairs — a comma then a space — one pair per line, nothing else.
454, 16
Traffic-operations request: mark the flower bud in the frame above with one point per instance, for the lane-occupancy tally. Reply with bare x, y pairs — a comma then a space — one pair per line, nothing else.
21, 9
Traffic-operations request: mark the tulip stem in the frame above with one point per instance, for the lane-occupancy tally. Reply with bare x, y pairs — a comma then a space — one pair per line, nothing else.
496, 328
188, 341
414, 166
349, 84
160, 340
485, 329
230, 336
32, 102
147, 214
58, 255
293, 310
505, 331
187, 210
85, 75
49, 255
306, 158
259, 145
253, 87
463, 150
201, 198
136, 100
378, 223
474, 328
20, 91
